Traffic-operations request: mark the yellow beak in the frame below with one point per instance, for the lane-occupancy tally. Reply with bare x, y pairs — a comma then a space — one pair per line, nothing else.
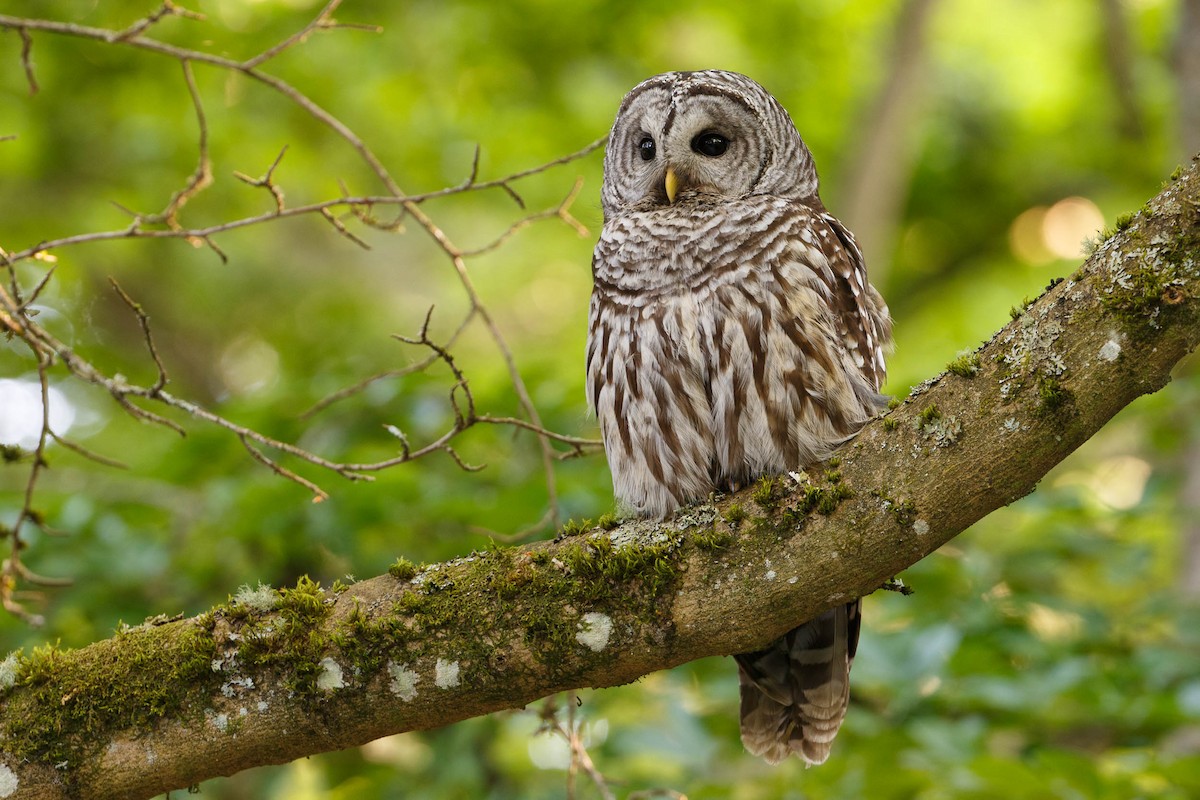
672, 185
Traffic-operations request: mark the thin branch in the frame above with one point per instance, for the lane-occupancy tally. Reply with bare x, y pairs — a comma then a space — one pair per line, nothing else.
167, 9
202, 177
136, 231
13, 307
322, 20
577, 443
267, 182
27, 59
562, 211
360, 386
144, 324
91, 455
37, 290
319, 494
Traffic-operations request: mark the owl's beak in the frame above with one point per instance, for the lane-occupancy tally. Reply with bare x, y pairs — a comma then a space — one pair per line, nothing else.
671, 184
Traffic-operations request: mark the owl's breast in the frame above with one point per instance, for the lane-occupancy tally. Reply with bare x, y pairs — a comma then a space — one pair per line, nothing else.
683, 247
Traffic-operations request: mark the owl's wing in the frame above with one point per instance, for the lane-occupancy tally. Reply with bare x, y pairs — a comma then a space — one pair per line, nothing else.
862, 316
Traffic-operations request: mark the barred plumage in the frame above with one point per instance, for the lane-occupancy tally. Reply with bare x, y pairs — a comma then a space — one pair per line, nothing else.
732, 334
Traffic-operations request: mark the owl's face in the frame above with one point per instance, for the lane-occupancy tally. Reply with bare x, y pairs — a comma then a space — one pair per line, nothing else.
710, 135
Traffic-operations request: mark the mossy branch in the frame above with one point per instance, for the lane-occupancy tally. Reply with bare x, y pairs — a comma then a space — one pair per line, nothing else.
273, 676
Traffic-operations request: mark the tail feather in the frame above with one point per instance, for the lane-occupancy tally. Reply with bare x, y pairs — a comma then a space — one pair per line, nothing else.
796, 691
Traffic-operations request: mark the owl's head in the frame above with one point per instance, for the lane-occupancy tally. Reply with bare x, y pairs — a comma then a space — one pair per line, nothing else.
711, 134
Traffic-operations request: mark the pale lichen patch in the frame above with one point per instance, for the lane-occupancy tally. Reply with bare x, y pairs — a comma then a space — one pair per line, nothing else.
219, 721
594, 631
331, 675
262, 599
920, 527
8, 781
8, 671
404, 681
1110, 350
445, 674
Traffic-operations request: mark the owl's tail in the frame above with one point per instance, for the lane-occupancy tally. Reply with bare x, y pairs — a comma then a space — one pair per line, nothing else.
795, 692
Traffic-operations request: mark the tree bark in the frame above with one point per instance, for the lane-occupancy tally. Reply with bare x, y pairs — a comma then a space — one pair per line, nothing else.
274, 676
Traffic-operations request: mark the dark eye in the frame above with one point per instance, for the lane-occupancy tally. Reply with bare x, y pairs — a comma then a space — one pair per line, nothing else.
646, 148
710, 144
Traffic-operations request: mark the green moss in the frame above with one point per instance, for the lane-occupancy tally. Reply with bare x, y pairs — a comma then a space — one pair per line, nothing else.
1154, 285
402, 569
368, 644
65, 703
1053, 397
1125, 220
929, 414
889, 423
966, 365
574, 528
713, 539
894, 403
290, 640
1016, 311
1177, 173
526, 589
1145, 291
823, 499
904, 512
734, 516
764, 493
832, 498
608, 521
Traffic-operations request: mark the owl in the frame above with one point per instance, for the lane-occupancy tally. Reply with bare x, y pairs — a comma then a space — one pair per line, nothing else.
732, 334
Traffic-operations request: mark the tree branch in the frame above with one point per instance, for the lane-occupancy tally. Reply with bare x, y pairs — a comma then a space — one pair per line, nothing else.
273, 676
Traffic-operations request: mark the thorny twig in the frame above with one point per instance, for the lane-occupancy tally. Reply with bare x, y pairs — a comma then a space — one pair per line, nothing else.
16, 316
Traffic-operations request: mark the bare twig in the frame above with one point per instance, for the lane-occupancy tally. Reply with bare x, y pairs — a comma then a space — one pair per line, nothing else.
144, 324
202, 177
267, 181
324, 19
16, 316
319, 494
167, 9
136, 231
360, 386
91, 455
27, 59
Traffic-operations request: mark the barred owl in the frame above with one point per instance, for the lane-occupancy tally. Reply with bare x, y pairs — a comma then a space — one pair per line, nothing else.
732, 334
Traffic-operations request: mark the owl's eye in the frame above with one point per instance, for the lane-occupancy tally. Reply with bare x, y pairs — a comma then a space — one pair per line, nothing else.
710, 144
646, 148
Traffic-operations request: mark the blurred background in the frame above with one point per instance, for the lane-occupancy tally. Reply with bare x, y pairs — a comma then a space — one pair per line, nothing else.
1051, 651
